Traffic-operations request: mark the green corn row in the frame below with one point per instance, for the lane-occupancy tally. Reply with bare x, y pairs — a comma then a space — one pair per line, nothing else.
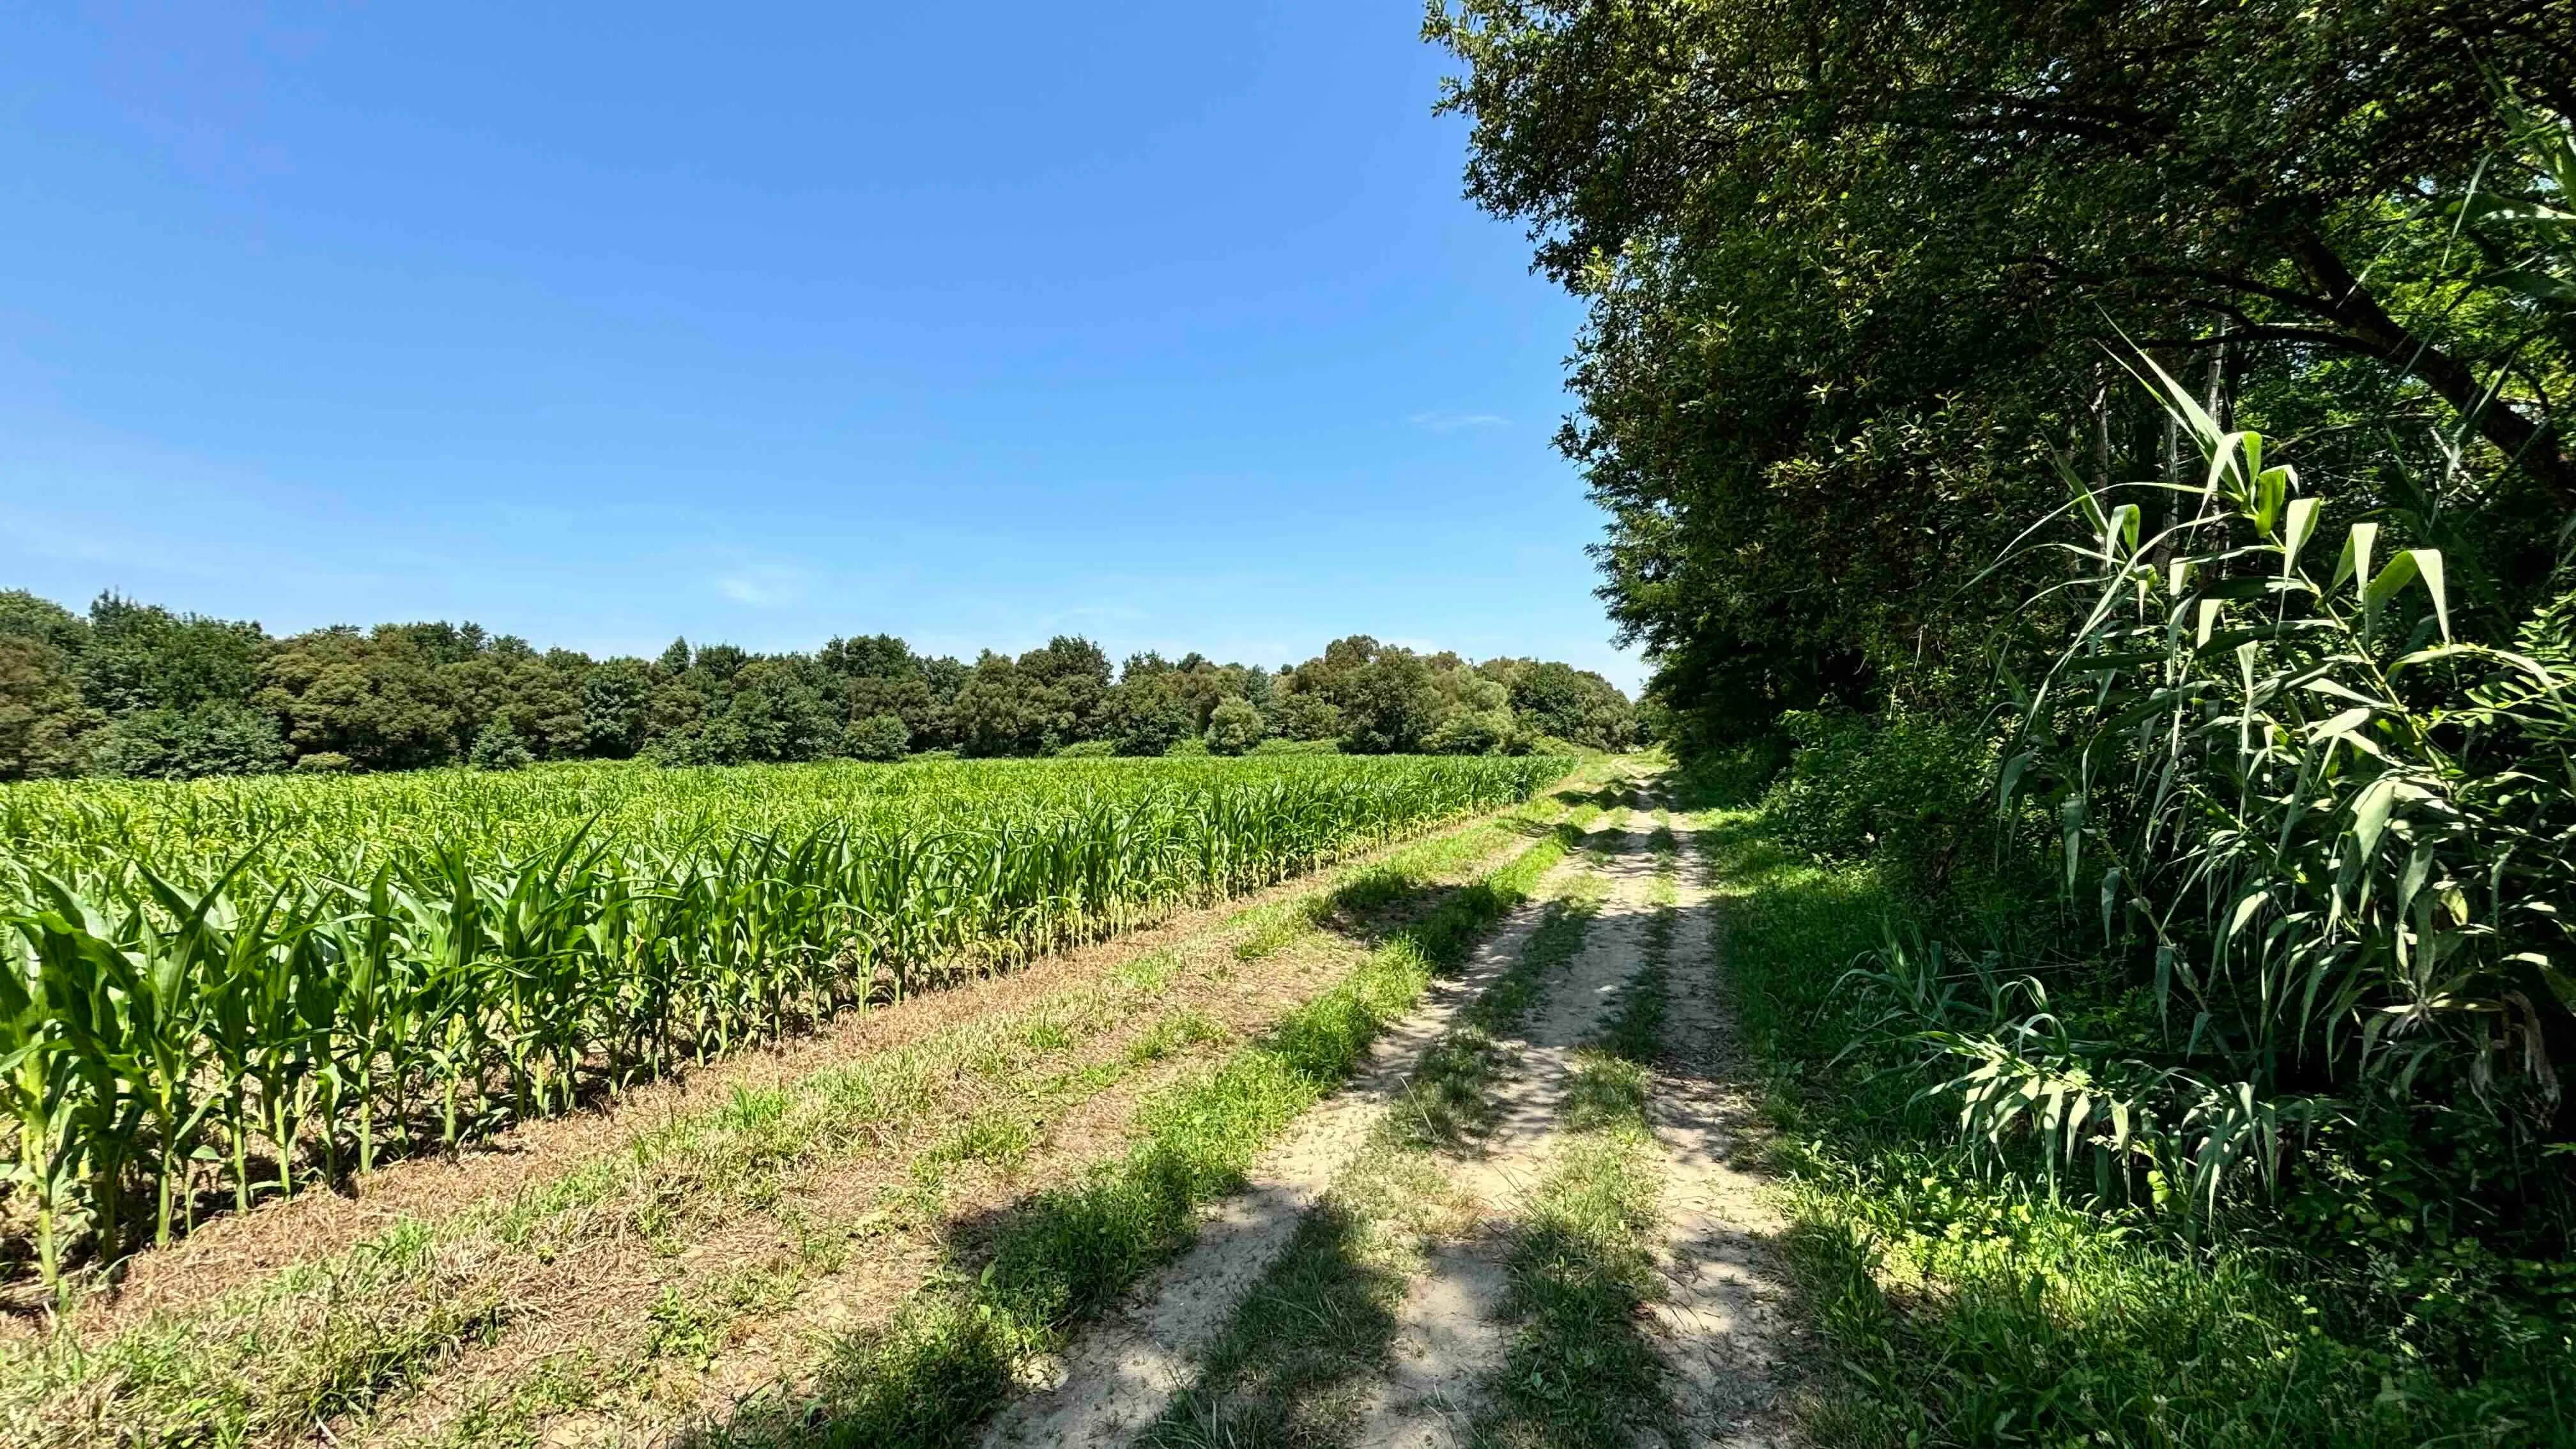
165, 1032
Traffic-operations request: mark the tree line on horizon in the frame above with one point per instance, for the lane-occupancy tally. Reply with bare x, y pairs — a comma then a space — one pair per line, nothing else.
135, 690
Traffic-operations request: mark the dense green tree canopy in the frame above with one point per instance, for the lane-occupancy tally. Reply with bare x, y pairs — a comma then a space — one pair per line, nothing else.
1851, 269
133, 689
42, 719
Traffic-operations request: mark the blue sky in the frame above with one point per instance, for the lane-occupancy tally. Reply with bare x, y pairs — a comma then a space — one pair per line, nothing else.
1163, 324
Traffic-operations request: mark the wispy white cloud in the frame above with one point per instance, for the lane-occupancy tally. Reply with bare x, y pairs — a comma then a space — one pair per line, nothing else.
763, 586
1450, 422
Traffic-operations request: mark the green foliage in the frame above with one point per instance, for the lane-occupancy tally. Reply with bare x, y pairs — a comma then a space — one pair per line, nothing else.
1849, 269
1308, 717
498, 747
1385, 699
43, 724
1234, 726
1956, 1290
214, 738
2286, 725
615, 698
139, 657
2325, 823
1277, 745
24, 615
1473, 732
378, 700
1912, 793
1146, 716
880, 657
880, 737
909, 699
1388, 703
1561, 702
163, 695
1035, 704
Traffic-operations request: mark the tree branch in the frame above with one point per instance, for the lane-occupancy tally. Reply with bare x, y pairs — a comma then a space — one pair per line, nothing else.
2350, 306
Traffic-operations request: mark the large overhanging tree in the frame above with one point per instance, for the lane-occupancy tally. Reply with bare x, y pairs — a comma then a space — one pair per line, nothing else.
1851, 268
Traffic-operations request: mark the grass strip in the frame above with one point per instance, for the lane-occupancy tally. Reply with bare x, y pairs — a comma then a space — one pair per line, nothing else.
1305, 1347
1579, 1370
1307, 1343
1279, 924
1446, 1103
947, 1359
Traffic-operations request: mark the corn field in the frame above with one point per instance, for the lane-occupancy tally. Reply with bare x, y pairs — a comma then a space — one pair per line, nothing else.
220, 992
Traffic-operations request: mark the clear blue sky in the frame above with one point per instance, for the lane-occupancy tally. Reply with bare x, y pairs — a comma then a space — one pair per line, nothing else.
1164, 324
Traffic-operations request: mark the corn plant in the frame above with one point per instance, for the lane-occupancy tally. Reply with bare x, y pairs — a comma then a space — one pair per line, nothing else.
377, 961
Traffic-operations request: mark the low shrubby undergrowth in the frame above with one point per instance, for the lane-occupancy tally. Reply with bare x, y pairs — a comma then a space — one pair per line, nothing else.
2388, 1274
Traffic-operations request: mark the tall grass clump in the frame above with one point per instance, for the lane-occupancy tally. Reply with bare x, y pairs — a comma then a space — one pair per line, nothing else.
2322, 833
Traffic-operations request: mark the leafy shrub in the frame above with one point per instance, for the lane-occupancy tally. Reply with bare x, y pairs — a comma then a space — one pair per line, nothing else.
1234, 726
499, 747
1908, 793
215, 738
1150, 719
1088, 750
325, 762
1304, 716
1734, 776
2321, 819
718, 741
1277, 745
42, 719
880, 737
1472, 732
